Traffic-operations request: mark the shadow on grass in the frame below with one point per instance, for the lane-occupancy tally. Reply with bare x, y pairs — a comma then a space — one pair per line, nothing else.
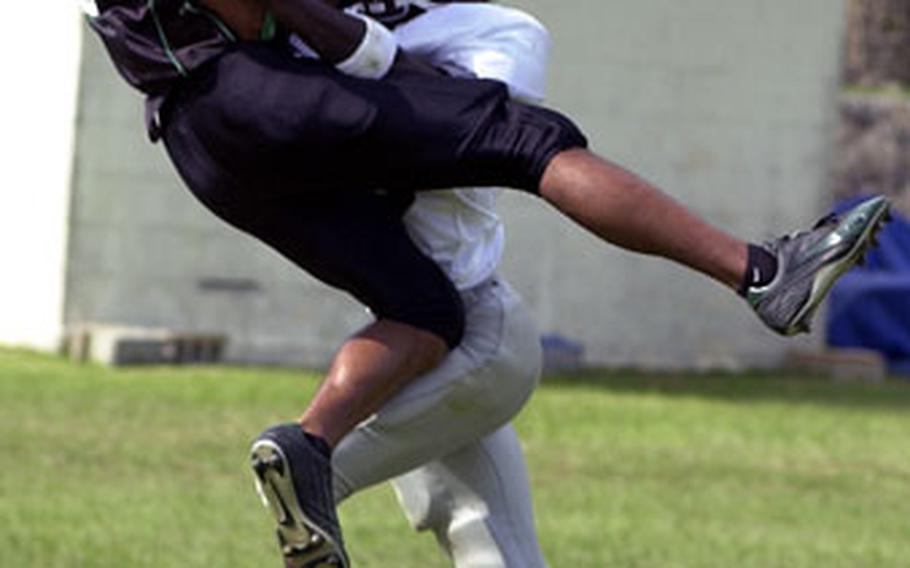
746, 388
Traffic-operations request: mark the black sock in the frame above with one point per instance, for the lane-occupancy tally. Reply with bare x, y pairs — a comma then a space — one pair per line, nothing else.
320, 444
760, 269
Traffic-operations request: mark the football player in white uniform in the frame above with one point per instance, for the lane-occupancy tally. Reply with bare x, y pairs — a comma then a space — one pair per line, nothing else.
446, 441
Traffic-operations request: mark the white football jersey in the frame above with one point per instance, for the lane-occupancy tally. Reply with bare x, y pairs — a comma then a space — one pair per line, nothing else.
460, 229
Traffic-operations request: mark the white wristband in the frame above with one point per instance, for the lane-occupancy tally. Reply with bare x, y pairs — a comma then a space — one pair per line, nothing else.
374, 56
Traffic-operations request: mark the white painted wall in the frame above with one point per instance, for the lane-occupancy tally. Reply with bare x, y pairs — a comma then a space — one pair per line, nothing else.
37, 125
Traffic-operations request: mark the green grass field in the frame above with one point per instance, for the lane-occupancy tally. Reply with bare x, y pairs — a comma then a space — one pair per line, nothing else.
147, 468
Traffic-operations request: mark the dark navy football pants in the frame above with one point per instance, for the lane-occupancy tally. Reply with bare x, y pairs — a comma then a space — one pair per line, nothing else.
321, 166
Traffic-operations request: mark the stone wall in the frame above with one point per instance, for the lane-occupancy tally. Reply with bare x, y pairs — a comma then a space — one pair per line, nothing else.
878, 42
874, 147
874, 136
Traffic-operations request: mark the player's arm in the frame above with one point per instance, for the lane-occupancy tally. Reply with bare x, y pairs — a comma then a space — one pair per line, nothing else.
329, 31
357, 46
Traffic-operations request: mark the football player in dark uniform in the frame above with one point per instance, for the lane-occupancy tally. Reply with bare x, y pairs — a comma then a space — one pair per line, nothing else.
319, 158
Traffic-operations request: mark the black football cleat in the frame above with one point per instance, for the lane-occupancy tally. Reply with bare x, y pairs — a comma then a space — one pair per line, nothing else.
294, 479
810, 262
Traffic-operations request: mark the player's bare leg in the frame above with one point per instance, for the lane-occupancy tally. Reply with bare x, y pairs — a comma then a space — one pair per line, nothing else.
783, 280
367, 371
622, 208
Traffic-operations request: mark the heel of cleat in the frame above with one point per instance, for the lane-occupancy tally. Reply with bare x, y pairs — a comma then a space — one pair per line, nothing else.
303, 543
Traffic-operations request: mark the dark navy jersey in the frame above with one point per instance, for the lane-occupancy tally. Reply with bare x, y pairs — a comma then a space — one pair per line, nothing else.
153, 43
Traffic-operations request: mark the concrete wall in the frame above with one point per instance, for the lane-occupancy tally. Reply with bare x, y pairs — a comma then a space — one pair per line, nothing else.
37, 110
729, 105
143, 252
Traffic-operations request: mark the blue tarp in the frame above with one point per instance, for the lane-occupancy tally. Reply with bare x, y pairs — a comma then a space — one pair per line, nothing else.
870, 306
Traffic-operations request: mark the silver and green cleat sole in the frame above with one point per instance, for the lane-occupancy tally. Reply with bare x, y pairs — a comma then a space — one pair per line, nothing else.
304, 544
810, 262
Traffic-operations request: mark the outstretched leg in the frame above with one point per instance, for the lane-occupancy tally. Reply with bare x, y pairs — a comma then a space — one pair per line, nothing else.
784, 280
624, 209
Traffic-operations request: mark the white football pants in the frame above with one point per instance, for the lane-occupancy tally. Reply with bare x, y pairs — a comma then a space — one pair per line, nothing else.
445, 441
